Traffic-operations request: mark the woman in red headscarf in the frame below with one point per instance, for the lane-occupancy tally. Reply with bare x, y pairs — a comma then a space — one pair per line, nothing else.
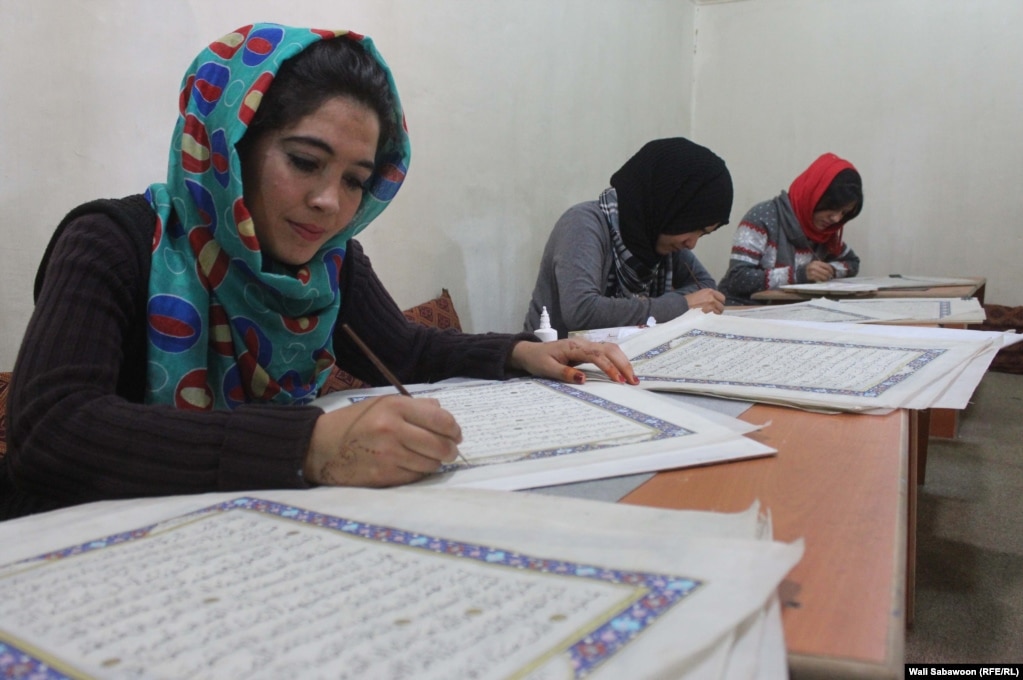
796, 237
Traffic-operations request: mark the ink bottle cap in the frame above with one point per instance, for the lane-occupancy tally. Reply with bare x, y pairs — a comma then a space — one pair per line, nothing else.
545, 332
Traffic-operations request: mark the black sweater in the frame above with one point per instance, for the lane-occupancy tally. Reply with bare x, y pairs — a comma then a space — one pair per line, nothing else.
78, 427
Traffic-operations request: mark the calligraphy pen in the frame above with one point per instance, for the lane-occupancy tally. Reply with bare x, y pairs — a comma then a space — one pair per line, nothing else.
693, 274
391, 378
699, 285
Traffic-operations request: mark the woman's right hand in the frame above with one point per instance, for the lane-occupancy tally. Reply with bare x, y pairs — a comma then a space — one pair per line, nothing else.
708, 300
819, 272
384, 441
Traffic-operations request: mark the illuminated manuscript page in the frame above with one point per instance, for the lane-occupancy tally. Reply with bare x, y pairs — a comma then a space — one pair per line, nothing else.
956, 385
937, 310
532, 412
859, 284
822, 310
527, 433
228, 581
817, 366
265, 588
874, 310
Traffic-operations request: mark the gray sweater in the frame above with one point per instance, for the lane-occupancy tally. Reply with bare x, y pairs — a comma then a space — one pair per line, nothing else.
767, 254
573, 277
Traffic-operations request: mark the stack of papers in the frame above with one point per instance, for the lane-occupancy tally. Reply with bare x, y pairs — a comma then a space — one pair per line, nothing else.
873, 310
868, 284
402, 583
827, 367
615, 335
921, 310
521, 434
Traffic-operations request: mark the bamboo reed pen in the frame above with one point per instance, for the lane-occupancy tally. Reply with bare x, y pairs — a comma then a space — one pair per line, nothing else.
693, 274
391, 378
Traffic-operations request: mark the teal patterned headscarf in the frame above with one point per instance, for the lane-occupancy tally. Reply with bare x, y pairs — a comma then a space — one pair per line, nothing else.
225, 327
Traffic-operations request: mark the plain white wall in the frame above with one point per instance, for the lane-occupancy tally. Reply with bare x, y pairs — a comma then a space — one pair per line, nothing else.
519, 109
516, 110
925, 97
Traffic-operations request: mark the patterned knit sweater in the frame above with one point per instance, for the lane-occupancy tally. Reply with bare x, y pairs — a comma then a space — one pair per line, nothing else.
79, 428
760, 260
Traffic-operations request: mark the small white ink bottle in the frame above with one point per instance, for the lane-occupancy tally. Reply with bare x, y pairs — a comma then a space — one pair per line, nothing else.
545, 332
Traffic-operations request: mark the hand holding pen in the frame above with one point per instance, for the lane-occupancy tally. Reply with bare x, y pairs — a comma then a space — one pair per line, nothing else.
819, 271
381, 441
708, 300
386, 372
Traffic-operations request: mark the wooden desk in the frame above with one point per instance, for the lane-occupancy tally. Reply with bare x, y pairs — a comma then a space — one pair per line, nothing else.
975, 289
846, 484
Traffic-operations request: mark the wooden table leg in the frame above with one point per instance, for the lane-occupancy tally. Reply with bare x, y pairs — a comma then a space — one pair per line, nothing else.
918, 436
944, 423
919, 439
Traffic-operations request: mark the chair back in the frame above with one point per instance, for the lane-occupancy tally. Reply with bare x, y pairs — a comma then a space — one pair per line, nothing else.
5, 385
438, 312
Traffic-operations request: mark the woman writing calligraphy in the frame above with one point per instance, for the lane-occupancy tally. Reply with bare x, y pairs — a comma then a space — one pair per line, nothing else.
180, 334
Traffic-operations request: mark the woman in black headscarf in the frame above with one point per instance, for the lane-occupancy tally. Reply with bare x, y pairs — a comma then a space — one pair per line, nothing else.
627, 256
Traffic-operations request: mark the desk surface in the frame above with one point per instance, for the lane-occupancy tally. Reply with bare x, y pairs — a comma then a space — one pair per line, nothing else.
840, 482
975, 289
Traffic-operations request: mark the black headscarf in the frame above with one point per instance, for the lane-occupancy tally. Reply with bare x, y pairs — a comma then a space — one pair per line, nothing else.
670, 186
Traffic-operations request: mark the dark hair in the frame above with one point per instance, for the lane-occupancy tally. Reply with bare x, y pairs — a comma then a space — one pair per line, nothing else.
337, 67
846, 188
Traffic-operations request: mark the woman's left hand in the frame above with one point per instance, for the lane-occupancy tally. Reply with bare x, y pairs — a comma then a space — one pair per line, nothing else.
557, 360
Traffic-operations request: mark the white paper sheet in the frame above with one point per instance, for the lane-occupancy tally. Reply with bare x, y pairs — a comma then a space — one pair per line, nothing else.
821, 309
616, 334
866, 284
872, 310
553, 433
920, 310
398, 583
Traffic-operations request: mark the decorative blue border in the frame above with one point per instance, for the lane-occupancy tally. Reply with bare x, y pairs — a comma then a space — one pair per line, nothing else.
862, 317
14, 663
778, 312
661, 429
944, 306
662, 592
924, 357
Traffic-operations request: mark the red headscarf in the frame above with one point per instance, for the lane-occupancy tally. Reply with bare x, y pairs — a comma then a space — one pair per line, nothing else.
806, 192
